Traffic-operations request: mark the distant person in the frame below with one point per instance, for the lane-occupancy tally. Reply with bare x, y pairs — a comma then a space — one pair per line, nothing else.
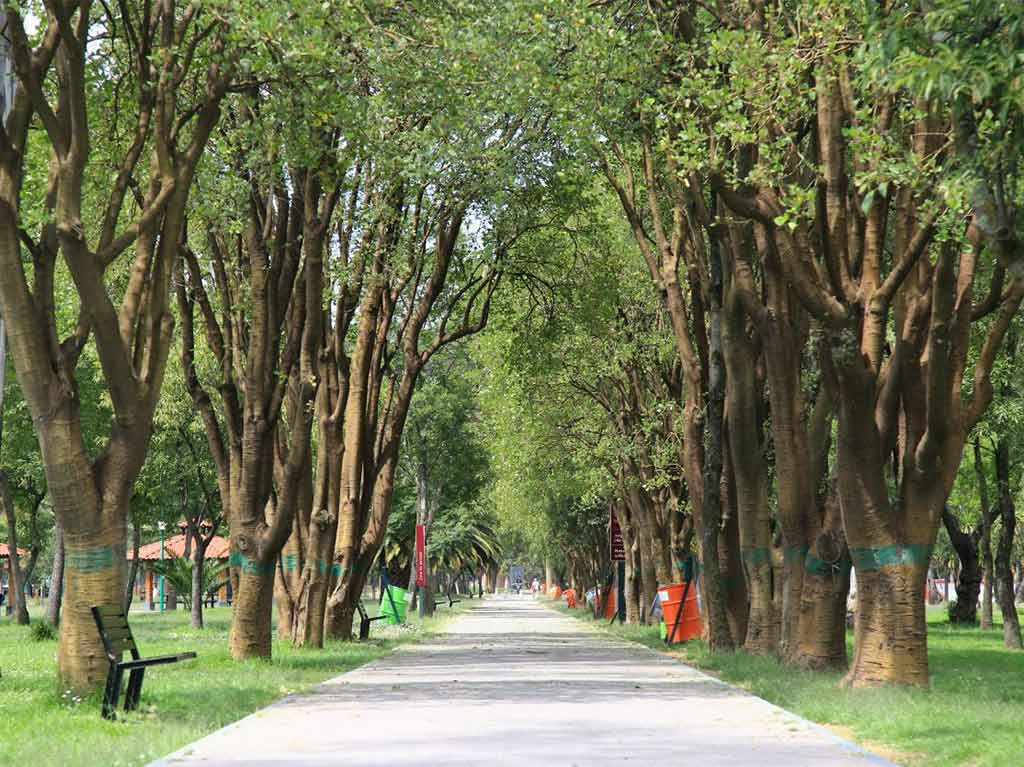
535, 586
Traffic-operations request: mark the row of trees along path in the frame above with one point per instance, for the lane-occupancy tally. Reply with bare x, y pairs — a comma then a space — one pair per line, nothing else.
303, 205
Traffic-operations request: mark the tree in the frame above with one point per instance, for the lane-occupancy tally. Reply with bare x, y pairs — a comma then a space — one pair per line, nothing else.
170, 61
442, 455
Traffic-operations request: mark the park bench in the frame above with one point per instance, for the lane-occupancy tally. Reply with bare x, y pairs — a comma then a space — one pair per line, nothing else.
116, 634
365, 620
451, 602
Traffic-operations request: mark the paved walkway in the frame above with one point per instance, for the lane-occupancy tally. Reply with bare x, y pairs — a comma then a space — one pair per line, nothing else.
514, 683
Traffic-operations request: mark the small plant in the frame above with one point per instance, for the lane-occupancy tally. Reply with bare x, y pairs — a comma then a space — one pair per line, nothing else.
41, 631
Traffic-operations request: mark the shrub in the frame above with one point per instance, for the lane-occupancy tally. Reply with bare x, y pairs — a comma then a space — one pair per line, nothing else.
41, 631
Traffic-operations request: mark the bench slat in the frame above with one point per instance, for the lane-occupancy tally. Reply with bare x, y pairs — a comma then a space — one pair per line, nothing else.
111, 611
117, 632
157, 660
121, 646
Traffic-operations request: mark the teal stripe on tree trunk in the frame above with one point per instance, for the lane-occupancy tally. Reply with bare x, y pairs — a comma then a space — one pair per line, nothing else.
899, 555
249, 566
817, 566
89, 560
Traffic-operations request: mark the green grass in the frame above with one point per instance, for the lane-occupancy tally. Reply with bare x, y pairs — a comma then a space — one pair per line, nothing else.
972, 715
41, 726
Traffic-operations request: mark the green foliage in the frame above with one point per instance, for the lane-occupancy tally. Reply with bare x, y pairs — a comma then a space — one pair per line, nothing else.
41, 631
464, 537
179, 571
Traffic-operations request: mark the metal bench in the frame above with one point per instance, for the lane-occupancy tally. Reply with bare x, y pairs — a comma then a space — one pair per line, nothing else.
451, 600
365, 620
116, 634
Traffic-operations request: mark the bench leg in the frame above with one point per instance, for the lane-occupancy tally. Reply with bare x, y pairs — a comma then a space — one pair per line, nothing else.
131, 695
112, 692
364, 629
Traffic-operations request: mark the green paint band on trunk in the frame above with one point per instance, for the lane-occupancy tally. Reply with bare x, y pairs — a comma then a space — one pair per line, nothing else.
816, 566
794, 555
249, 566
899, 555
89, 560
291, 563
757, 557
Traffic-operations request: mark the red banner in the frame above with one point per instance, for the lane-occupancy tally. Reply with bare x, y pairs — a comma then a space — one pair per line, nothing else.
421, 556
618, 547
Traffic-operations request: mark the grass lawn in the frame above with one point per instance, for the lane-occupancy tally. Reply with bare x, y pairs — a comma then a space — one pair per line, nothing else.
972, 715
180, 702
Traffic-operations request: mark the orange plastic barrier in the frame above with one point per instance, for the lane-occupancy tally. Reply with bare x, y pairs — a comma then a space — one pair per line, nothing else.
673, 592
689, 626
611, 605
555, 592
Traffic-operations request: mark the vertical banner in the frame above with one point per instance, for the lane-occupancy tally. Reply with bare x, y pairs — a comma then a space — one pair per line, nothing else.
618, 548
421, 556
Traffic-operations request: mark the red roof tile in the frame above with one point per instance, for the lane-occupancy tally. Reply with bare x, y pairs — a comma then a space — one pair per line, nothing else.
5, 551
175, 547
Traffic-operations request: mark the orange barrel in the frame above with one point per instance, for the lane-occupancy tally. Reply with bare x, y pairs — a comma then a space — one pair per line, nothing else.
689, 622
673, 592
556, 592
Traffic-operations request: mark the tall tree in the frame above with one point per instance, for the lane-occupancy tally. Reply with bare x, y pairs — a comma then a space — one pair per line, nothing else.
171, 60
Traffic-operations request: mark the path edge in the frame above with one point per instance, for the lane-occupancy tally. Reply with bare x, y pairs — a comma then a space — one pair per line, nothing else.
849, 746
168, 760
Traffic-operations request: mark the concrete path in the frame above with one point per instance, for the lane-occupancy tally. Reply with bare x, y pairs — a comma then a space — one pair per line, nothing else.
515, 683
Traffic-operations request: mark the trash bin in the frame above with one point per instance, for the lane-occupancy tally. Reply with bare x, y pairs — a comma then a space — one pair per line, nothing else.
670, 598
393, 605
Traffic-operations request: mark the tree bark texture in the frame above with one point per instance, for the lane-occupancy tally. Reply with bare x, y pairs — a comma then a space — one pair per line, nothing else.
16, 592
984, 537
1003, 572
968, 582
750, 480
53, 604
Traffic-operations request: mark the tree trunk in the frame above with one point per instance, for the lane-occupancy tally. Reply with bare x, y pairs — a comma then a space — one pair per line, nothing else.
634, 578
16, 592
322, 526
312, 602
749, 479
890, 547
729, 556
985, 540
648, 570
94, 575
821, 631
890, 630
198, 568
425, 517
793, 466
56, 577
133, 568
1003, 573
283, 601
339, 620
718, 633
250, 635
965, 611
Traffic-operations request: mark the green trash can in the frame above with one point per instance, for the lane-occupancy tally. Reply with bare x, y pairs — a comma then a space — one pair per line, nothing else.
393, 605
